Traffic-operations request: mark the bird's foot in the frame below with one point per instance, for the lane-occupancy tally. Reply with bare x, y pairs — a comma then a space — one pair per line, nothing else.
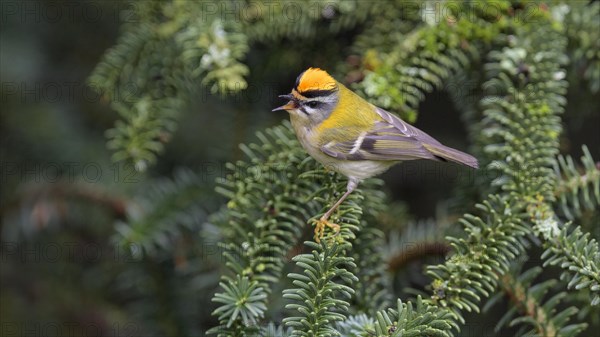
320, 228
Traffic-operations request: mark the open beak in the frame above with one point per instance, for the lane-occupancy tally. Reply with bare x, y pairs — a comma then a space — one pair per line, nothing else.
291, 105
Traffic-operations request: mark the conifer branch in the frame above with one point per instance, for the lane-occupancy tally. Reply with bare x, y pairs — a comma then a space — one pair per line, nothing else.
160, 215
421, 319
261, 223
522, 134
576, 191
471, 272
429, 55
323, 289
537, 312
576, 253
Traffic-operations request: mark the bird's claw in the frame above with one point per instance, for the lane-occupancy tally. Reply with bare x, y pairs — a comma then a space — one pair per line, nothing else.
320, 228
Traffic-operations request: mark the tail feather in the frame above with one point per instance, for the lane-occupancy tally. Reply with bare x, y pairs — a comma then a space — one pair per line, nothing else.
446, 153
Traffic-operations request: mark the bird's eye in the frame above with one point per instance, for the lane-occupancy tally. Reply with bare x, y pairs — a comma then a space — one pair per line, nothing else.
312, 104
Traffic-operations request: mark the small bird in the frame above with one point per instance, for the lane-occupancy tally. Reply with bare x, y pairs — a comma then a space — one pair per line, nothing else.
344, 132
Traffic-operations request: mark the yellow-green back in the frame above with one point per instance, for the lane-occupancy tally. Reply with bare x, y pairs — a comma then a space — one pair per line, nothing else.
352, 116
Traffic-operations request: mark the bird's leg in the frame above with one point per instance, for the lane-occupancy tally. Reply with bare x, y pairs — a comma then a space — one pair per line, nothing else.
324, 220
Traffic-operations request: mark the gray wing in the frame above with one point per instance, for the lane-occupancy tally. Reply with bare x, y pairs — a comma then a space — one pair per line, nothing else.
393, 139
388, 139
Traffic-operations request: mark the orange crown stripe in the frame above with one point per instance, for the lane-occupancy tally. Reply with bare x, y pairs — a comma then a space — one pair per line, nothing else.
315, 79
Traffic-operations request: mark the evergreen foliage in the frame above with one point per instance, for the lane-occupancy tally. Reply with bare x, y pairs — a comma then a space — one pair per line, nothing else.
578, 255
339, 286
242, 249
536, 314
422, 320
165, 213
577, 191
319, 290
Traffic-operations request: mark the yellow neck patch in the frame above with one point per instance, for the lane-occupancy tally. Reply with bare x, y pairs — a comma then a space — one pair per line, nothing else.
315, 79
